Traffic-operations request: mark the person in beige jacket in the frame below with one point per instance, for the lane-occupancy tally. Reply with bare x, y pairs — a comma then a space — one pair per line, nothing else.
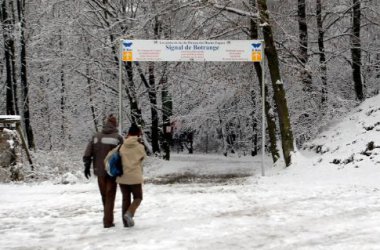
132, 154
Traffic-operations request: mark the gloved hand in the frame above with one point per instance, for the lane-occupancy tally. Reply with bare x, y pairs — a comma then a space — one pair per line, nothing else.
87, 167
87, 172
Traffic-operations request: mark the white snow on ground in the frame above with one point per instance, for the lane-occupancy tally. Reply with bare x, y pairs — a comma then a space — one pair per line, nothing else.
314, 204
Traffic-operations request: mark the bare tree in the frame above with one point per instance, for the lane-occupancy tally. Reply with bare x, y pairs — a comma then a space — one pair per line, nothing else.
356, 49
322, 53
7, 17
270, 119
303, 45
277, 83
23, 72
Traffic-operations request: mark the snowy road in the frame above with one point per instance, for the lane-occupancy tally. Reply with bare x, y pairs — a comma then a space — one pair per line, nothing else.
275, 212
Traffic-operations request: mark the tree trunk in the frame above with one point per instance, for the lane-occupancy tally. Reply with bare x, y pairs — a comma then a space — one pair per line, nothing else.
322, 54
223, 132
63, 87
24, 79
270, 119
153, 109
136, 115
8, 80
167, 111
11, 100
303, 49
130, 90
167, 101
356, 50
45, 110
153, 93
254, 149
90, 92
13, 57
278, 87
92, 107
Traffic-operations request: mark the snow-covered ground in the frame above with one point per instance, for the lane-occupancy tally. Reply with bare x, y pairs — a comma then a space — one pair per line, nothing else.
325, 200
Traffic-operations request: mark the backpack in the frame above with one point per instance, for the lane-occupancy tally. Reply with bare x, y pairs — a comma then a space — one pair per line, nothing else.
112, 162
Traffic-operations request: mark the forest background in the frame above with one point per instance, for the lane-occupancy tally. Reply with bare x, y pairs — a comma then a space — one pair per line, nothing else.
60, 70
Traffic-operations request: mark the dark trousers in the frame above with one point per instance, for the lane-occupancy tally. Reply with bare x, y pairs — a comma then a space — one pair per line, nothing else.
107, 187
128, 191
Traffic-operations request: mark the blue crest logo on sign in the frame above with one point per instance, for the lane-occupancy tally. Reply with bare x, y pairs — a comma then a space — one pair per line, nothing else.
127, 44
256, 45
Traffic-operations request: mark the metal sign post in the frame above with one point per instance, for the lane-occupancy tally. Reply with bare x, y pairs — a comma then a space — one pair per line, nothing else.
194, 51
120, 86
263, 111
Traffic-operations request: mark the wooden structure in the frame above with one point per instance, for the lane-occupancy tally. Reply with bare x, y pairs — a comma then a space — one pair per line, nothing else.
14, 122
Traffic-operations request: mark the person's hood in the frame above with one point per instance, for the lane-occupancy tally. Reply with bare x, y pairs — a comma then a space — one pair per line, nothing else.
109, 128
131, 141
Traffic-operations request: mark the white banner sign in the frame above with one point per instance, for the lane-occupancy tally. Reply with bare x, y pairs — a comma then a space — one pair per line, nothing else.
192, 50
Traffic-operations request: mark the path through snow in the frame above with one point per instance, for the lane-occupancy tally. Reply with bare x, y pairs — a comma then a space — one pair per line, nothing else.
290, 209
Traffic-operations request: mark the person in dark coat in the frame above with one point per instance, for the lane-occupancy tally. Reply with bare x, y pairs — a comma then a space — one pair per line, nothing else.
96, 151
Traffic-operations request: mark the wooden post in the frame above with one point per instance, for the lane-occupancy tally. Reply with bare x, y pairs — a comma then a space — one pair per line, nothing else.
19, 130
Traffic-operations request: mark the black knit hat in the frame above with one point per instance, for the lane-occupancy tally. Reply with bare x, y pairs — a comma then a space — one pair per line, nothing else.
134, 129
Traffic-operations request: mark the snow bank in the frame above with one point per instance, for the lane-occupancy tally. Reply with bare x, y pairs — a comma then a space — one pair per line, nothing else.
352, 142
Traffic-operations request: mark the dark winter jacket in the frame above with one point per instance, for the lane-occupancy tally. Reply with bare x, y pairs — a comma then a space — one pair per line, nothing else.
99, 146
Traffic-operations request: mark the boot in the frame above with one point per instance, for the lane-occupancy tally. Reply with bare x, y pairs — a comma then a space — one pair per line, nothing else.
128, 217
108, 226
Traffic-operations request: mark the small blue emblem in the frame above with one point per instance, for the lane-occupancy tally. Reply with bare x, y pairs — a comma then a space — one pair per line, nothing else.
127, 44
256, 45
